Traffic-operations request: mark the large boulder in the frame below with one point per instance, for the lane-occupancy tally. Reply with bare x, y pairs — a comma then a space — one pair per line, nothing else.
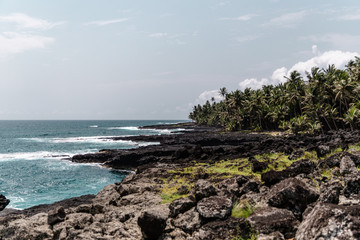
231, 186
347, 166
272, 177
268, 220
352, 185
204, 189
56, 216
152, 222
229, 229
292, 194
322, 150
181, 205
188, 221
214, 207
330, 221
330, 192
3, 202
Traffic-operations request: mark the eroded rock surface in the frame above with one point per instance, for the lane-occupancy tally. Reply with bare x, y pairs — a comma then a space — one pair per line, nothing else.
329, 221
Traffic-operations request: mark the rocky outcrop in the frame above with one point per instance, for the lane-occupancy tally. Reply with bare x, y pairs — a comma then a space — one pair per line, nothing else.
304, 166
3, 202
203, 189
152, 222
181, 205
214, 207
292, 194
300, 201
270, 220
329, 221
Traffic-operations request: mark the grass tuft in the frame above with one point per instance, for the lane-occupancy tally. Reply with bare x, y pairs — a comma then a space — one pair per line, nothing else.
242, 209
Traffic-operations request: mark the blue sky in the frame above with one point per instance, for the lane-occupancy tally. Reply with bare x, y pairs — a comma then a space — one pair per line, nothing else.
117, 59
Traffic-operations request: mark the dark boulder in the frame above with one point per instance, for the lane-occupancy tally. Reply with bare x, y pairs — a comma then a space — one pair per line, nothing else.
322, 150
3, 202
250, 186
258, 166
292, 194
229, 229
152, 222
347, 166
330, 192
229, 187
214, 207
332, 161
181, 205
56, 216
330, 221
268, 220
188, 221
204, 189
272, 177
352, 185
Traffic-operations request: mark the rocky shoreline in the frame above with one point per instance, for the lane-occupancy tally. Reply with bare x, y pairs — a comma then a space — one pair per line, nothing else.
207, 184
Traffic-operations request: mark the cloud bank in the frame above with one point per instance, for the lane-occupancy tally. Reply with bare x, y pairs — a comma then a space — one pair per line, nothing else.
208, 95
338, 58
24, 21
13, 42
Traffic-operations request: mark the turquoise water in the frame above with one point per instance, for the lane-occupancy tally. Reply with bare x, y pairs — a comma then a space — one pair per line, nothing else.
32, 169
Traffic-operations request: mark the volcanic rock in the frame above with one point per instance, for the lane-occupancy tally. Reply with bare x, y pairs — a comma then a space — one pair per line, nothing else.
3, 202
153, 221
181, 205
268, 220
347, 166
188, 221
329, 221
330, 192
292, 194
214, 207
204, 189
56, 216
228, 229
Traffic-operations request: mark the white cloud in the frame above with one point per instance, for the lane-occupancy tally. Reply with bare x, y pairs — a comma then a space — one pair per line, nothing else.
207, 95
158, 35
338, 58
246, 17
25, 21
107, 22
287, 20
278, 75
253, 83
12, 42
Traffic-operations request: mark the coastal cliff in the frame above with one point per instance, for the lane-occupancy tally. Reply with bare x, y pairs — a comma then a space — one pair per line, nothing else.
207, 184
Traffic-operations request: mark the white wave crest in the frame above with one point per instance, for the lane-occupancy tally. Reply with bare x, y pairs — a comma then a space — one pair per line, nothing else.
33, 155
154, 130
93, 126
124, 128
92, 139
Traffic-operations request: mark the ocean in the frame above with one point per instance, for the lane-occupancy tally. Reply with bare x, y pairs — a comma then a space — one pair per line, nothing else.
32, 166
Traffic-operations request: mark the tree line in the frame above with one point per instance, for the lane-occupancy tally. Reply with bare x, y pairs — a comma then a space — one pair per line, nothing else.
329, 99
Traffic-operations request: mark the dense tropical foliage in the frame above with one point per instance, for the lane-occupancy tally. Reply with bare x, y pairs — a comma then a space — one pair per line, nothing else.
328, 100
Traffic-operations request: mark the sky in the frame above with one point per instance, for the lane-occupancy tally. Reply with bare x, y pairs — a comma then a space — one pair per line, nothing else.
141, 59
